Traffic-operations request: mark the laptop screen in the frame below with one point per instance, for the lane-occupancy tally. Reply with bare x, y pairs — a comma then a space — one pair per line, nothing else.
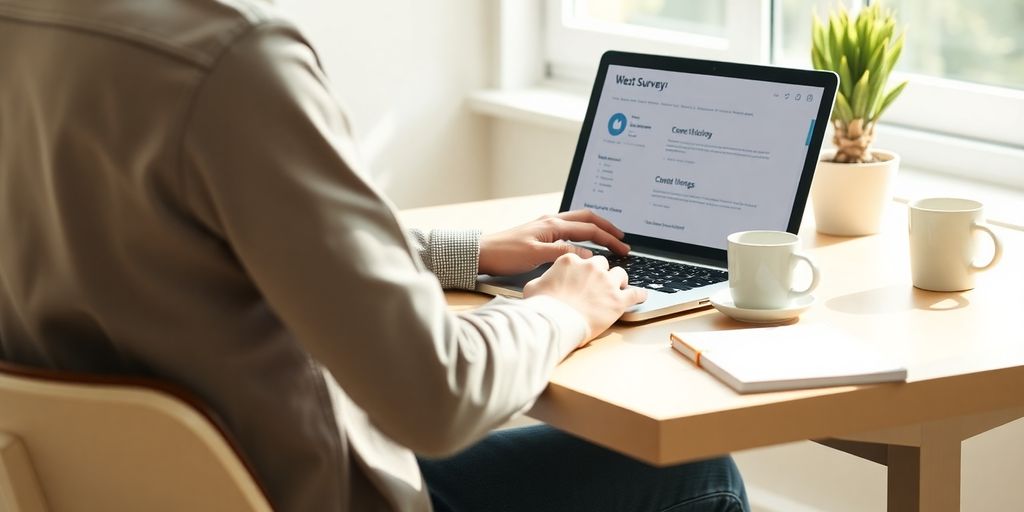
691, 157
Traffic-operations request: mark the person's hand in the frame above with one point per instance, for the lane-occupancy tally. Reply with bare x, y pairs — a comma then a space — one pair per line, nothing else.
525, 247
588, 286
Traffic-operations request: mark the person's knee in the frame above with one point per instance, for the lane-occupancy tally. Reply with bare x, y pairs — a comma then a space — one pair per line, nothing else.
732, 491
724, 490
731, 473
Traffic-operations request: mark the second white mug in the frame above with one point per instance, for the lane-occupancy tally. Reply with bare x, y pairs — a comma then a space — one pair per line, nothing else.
943, 245
761, 265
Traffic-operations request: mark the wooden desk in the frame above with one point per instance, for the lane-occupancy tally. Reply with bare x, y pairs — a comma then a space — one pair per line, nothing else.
631, 392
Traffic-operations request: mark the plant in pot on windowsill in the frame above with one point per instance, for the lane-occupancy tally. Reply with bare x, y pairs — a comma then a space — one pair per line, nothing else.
853, 183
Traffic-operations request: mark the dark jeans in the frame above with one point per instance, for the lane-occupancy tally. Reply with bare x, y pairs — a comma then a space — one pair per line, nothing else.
538, 468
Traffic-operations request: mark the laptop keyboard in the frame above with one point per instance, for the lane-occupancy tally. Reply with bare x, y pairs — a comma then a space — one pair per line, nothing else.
664, 276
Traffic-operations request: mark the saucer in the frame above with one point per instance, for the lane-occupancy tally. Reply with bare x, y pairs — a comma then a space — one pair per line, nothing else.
722, 301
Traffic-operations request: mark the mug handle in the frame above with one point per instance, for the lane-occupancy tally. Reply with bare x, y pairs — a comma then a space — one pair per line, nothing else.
815, 277
997, 253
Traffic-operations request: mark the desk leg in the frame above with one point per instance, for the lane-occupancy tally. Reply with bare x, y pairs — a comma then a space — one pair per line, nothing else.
923, 460
925, 477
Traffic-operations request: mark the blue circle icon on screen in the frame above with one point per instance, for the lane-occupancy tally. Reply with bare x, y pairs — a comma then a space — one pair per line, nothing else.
617, 124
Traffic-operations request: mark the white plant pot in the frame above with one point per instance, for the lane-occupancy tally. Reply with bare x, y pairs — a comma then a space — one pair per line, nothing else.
849, 199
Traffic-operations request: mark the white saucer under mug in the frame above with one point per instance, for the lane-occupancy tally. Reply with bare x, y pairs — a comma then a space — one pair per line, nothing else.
723, 302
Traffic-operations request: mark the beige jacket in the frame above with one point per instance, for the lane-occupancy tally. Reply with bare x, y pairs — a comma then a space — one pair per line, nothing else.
179, 199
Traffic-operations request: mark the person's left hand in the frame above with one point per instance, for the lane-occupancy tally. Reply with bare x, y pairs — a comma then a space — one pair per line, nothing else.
525, 247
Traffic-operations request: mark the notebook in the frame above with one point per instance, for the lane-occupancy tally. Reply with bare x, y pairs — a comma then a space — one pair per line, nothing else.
787, 357
679, 153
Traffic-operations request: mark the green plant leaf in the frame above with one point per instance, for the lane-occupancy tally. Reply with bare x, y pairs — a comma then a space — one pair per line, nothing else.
846, 79
888, 27
893, 55
860, 96
888, 62
851, 48
864, 24
835, 39
817, 60
874, 38
875, 87
877, 82
889, 99
842, 112
875, 61
883, 35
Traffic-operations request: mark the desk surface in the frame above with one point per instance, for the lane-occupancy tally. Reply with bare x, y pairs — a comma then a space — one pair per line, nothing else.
630, 391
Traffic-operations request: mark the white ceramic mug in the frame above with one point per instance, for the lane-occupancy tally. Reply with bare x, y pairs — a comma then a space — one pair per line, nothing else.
761, 265
943, 243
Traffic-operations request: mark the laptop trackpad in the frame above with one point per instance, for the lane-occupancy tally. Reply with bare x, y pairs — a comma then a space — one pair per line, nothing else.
510, 286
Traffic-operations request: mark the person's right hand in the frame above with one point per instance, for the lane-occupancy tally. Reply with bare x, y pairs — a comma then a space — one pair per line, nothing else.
588, 286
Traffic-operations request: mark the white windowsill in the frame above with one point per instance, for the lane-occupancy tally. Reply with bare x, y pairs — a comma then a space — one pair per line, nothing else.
564, 109
551, 107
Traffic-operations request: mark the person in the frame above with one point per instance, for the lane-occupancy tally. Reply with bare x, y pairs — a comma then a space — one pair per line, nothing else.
181, 199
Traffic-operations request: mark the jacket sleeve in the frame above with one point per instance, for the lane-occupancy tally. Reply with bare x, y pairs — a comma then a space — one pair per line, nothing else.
452, 255
268, 165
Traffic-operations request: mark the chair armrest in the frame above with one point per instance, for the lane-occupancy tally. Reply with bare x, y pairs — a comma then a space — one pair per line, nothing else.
19, 489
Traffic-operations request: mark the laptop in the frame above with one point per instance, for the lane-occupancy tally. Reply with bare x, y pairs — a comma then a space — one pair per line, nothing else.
679, 153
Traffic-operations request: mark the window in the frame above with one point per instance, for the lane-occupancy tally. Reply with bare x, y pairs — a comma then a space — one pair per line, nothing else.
964, 60
579, 31
690, 17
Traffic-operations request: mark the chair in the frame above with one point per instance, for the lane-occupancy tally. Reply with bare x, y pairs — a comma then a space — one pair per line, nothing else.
75, 442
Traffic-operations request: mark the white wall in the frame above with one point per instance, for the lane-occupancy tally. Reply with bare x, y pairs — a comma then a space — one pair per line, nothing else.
528, 159
403, 69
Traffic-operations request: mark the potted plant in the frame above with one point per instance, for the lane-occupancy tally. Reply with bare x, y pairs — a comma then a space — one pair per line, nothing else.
853, 182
